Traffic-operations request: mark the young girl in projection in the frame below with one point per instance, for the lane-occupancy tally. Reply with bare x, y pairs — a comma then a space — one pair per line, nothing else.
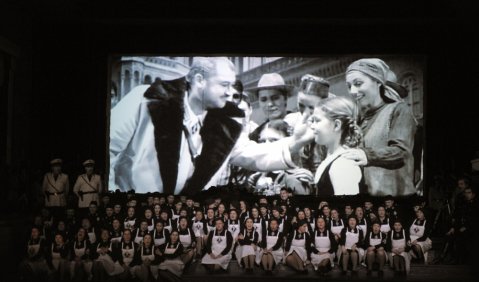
334, 125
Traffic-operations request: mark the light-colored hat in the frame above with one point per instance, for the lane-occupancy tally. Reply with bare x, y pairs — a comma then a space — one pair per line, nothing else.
272, 81
56, 162
89, 162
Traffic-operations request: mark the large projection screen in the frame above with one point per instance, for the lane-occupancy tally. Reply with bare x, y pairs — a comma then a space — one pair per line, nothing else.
162, 139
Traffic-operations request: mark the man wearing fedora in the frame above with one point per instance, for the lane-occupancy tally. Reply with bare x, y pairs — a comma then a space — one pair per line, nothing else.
272, 93
178, 136
55, 187
87, 187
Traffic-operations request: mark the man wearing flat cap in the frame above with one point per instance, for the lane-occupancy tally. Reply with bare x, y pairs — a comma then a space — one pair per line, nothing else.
312, 90
87, 187
55, 187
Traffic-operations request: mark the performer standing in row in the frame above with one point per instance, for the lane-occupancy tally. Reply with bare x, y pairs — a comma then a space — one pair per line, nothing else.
56, 186
87, 187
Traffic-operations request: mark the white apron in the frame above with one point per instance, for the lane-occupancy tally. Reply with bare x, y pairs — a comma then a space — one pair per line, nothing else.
129, 224
140, 270
111, 268
417, 231
168, 227
185, 240
234, 229
92, 236
323, 244
87, 265
336, 230
33, 249
375, 241
198, 229
128, 254
159, 241
175, 265
244, 251
138, 239
351, 239
385, 228
219, 243
270, 242
401, 243
258, 228
298, 246
211, 228
56, 258
116, 239
363, 227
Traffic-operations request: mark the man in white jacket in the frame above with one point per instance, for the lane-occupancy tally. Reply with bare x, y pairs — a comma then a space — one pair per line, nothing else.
178, 136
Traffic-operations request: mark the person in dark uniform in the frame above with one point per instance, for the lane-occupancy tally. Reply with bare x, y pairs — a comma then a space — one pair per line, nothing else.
351, 243
218, 248
247, 245
398, 245
391, 210
271, 252
130, 220
297, 247
107, 218
375, 243
324, 247
464, 230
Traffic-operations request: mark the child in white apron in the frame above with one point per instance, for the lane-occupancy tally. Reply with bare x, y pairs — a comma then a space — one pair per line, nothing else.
398, 246
58, 258
351, 246
258, 222
247, 245
171, 254
141, 231
384, 220
296, 249
101, 252
34, 265
324, 247
116, 232
81, 263
130, 220
271, 252
160, 235
218, 248
124, 255
148, 266
375, 243
419, 234
187, 239
200, 229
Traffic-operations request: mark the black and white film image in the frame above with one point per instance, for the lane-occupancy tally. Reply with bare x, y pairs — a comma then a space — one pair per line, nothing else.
336, 125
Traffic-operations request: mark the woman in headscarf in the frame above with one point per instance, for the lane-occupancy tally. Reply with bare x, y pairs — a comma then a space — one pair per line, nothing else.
388, 126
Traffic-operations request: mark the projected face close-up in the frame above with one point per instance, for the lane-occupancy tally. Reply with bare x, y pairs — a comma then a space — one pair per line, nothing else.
175, 127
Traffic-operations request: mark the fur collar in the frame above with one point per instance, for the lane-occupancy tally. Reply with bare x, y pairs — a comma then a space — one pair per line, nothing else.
219, 134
